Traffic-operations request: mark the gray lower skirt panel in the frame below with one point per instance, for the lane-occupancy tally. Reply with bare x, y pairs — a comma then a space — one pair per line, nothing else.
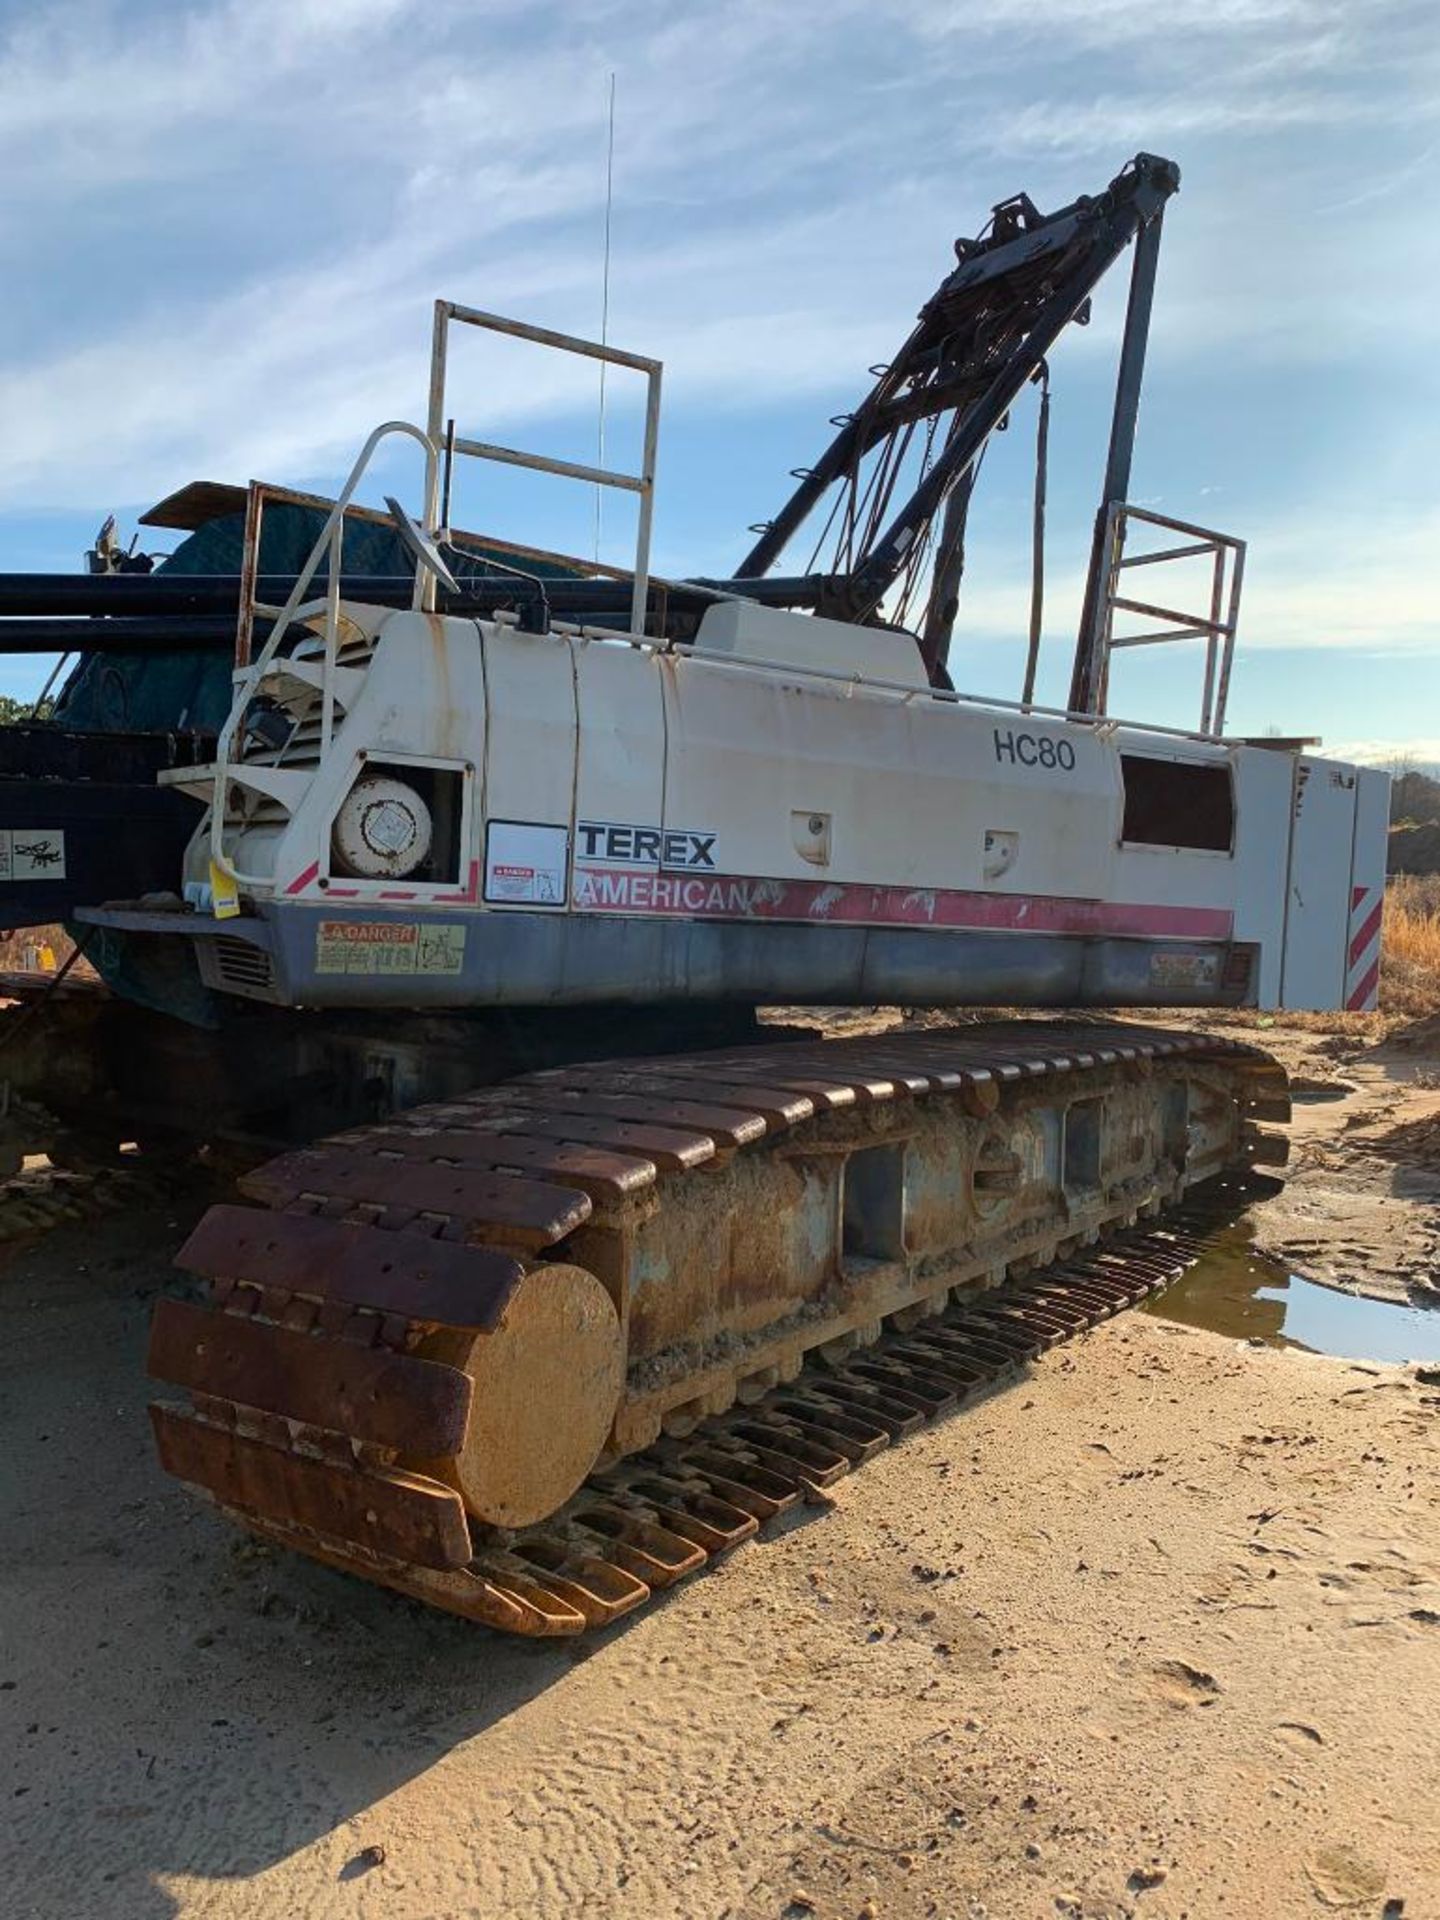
297, 955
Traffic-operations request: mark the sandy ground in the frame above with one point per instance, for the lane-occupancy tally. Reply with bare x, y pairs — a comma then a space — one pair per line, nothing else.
1156, 1632
1361, 1205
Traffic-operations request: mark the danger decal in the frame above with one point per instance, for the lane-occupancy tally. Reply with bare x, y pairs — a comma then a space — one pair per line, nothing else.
525, 862
1194, 971
388, 947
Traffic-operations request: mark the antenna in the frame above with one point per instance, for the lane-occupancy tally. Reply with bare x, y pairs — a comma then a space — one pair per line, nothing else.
605, 308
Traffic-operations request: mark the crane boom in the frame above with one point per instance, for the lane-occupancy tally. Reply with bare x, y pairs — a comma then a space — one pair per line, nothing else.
979, 339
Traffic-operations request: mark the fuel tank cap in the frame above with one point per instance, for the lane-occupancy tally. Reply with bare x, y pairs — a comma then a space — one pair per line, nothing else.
383, 829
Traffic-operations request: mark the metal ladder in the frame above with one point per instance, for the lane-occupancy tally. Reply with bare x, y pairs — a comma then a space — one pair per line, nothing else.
316, 686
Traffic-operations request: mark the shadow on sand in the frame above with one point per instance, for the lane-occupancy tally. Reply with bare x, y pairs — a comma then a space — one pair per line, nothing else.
178, 1701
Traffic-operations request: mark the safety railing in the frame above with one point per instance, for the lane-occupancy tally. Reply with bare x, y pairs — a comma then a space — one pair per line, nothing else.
907, 694
1216, 626
641, 484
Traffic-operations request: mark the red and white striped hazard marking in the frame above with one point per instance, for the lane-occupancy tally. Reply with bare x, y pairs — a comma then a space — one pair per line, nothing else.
1362, 971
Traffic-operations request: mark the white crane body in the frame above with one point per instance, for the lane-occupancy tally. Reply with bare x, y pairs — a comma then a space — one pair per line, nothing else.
785, 810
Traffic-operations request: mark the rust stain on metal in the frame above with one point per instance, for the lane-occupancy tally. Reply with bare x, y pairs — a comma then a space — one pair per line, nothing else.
523, 1211
604, 1174
776, 1261
382, 1398
397, 1514
424, 1279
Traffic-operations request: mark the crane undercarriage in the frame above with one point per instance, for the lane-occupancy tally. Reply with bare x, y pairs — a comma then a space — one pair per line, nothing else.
535, 1353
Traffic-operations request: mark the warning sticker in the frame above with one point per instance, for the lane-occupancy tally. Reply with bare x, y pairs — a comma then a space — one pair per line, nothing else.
389, 947
32, 853
525, 863
1192, 970
441, 949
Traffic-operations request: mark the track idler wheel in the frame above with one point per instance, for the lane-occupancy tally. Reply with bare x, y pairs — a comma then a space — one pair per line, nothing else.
548, 1382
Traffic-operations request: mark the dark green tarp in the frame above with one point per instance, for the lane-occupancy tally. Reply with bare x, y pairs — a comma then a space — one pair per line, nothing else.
155, 693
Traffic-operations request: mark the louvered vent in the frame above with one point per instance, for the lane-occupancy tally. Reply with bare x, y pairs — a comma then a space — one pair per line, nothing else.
234, 966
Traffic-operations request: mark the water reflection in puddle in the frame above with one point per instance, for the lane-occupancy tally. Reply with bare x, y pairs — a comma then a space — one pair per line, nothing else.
1232, 1292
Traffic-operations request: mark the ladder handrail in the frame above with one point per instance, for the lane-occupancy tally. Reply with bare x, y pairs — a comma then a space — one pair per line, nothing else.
331, 540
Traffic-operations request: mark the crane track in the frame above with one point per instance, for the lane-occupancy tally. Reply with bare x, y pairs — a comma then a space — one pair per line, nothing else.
318, 1407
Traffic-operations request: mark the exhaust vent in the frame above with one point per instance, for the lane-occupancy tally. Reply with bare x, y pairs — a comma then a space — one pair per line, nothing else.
235, 966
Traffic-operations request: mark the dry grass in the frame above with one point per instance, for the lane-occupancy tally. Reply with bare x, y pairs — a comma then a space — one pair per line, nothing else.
1410, 957
1409, 969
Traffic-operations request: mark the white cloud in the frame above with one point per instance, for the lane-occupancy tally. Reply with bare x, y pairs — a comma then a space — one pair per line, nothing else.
1363, 584
260, 197
1421, 751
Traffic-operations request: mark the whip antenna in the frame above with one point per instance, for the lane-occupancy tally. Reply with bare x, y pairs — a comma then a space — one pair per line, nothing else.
605, 308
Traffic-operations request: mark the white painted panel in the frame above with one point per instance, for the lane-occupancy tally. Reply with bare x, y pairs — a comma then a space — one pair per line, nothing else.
909, 789
1175, 877
530, 730
1264, 780
620, 785
802, 640
1171, 876
422, 695
1317, 911
423, 690
1054, 787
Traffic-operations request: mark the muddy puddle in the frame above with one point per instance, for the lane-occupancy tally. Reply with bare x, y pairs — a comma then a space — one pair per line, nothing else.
1233, 1292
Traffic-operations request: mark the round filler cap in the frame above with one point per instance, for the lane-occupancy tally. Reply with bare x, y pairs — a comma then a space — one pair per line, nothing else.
383, 829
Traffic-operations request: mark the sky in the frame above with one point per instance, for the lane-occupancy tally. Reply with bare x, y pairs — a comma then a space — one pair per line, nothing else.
227, 222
